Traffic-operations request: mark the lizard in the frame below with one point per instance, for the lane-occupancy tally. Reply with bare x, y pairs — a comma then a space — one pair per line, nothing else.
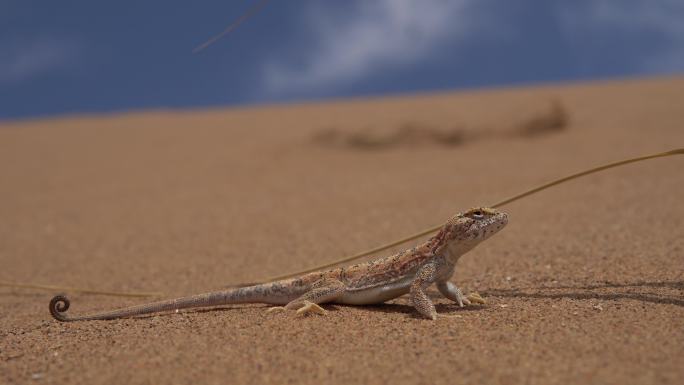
410, 271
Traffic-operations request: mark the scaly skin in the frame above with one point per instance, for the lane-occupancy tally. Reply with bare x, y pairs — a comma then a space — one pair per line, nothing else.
411, 271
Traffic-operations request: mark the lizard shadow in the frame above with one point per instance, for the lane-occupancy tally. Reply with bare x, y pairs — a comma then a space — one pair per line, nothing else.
604, 285
547, 292
442, 308
227, 308
395, 308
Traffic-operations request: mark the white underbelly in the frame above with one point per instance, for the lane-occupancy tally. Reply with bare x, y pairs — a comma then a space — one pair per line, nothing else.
375, 295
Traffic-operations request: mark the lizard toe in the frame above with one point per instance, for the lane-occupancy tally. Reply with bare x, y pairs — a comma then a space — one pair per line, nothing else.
475, 298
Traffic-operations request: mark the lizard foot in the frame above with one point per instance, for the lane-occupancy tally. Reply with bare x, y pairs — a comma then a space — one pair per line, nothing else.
475, 298
463, 300
310, 307
275, 308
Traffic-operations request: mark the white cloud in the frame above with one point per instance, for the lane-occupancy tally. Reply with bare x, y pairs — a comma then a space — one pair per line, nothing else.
376, 34
664, 18
25, 58
372, 36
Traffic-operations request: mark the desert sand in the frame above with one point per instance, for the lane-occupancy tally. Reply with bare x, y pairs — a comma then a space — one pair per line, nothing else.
585, 285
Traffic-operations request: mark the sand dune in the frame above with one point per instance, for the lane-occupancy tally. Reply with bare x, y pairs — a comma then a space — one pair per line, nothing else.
585, 284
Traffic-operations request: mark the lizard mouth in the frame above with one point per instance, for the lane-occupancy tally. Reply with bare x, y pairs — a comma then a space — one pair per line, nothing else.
503, 219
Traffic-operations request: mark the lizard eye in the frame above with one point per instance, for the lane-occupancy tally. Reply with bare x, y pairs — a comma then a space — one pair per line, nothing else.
477, 214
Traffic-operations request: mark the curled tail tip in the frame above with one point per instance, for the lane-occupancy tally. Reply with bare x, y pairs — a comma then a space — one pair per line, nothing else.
59, 304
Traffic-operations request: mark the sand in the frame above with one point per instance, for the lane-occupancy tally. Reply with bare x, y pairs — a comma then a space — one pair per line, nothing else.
585, 285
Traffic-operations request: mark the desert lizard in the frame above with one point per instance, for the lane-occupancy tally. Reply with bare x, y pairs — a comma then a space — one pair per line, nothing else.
411, 271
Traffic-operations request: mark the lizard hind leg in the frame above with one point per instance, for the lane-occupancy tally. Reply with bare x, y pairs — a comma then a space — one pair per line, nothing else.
325, 290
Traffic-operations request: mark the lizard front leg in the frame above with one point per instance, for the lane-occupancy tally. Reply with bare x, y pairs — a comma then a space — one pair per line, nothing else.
424, 278
453, 293
325, 290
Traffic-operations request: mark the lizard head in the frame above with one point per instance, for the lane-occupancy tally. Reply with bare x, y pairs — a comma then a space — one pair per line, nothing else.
466, 230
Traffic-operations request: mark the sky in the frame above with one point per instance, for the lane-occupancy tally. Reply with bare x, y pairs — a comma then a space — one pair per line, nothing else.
87, 57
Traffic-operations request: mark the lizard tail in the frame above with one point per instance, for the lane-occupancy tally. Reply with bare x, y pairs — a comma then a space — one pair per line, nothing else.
59, 304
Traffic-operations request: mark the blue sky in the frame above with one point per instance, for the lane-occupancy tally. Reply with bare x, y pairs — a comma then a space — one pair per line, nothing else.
80, 56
